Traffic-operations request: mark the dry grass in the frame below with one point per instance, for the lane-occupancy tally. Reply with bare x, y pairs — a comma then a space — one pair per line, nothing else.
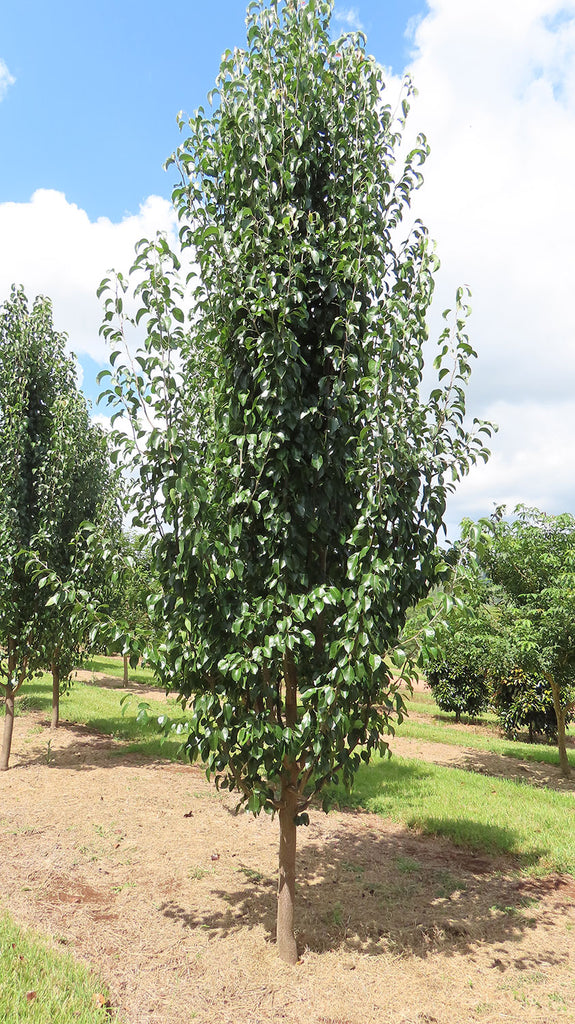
141, 869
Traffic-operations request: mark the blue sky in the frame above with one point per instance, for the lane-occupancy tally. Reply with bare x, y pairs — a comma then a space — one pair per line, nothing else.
92, 112
88, 102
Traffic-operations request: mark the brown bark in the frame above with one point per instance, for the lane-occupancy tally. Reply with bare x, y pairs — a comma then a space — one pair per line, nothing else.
286, 943
7, 734
55, 721
564, 766
126, 670
8, 711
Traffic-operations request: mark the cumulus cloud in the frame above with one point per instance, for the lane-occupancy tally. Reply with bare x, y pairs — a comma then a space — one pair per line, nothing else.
348, 19
56, 250
6, 79
532, 462
497, 101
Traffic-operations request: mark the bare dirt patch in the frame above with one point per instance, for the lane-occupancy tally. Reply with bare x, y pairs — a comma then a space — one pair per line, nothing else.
484, 762
142, 869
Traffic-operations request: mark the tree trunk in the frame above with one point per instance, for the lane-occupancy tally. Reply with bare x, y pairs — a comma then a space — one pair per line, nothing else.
9, 709
286, 943
126, 670
8, 728
564, 765
55, 696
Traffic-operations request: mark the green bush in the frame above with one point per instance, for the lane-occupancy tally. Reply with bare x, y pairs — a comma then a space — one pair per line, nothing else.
524, 700
458, 688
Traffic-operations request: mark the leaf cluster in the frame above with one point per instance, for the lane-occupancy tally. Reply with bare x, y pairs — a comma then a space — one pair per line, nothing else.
290, 476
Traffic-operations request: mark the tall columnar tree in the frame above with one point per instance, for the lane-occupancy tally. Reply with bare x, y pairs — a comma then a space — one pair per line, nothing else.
288, 467
54, 469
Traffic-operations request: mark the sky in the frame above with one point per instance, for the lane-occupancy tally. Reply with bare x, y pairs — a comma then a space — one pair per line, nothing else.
89, 96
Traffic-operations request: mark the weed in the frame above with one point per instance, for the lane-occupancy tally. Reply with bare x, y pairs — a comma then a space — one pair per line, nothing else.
254, 876
407, 865
197, 873
337, 914
356, 869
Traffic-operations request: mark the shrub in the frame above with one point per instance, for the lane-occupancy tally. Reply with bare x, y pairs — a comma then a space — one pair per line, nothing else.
524, 700
458, 688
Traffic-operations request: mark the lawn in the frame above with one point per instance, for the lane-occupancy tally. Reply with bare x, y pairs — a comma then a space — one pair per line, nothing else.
537, 826
404, 889
41, 985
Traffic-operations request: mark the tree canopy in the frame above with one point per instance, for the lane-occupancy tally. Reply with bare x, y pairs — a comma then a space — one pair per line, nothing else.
56, 474
532, 560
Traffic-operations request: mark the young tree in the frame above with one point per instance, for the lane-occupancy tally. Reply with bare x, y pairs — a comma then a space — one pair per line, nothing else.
532, 559
55, 474
290, 473
457, 682
524, 700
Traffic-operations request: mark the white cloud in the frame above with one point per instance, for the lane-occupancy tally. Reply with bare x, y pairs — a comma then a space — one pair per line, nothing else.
348, 18
56, 250
532, 462
496, 99
6, 79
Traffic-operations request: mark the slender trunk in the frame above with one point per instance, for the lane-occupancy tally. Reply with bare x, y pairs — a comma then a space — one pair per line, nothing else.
126, 670
8, 728
564, 765
8, 711
286, 943
55, 696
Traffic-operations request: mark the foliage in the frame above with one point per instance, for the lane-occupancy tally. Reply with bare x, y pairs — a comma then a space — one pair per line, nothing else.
288, 470
56, 473
136, 585
457, 686
532, 562
525, 700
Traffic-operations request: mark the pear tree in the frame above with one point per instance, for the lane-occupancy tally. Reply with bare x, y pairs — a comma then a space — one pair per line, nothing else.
288, 467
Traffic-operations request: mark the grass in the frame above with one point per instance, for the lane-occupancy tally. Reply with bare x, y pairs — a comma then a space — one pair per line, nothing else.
115, 667
483, 734
537, 826
100, 708
539, 752
39, 985
497, 816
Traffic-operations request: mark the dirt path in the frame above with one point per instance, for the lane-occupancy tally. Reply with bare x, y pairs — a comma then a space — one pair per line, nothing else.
484, 762
142, 869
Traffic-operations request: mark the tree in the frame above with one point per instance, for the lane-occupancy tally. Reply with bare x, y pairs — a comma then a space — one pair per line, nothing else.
291, 476
522, 699
136, 586
56, 473
532, 559
457, 682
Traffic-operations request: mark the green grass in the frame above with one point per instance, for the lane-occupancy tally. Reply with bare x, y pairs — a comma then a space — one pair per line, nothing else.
536, 826
437, 733
39, 985
115, 667
101, 709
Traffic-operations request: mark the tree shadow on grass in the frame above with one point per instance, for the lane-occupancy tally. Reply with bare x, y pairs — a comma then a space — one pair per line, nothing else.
370, 886
364, 889
91, 749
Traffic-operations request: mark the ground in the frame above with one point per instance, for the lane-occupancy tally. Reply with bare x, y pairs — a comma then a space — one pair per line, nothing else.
143, 870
